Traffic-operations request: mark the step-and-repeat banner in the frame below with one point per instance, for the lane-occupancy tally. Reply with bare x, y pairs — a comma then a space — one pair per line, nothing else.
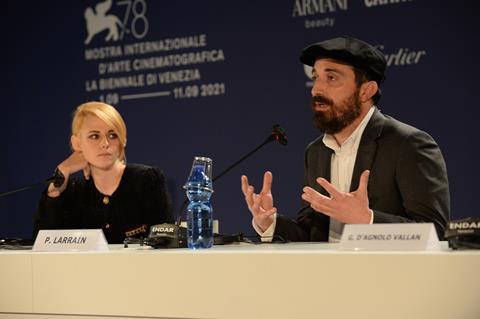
211, 78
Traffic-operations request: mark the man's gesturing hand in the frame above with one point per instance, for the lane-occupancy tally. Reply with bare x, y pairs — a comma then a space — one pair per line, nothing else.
349, 208
260, 205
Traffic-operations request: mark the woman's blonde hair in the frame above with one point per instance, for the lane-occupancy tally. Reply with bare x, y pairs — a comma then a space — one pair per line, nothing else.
106, 113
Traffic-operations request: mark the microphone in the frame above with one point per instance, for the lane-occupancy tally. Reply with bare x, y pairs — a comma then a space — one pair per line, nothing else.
173, 236
279, 134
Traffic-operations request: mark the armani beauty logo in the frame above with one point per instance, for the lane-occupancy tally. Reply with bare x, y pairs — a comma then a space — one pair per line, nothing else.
302, 8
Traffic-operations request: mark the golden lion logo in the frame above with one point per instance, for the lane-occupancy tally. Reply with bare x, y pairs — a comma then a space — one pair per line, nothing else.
99, 21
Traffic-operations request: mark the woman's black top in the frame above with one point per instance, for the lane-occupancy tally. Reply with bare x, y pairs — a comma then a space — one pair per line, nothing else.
141, 199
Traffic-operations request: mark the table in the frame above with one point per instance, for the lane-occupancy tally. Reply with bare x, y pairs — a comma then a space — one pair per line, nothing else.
294, 280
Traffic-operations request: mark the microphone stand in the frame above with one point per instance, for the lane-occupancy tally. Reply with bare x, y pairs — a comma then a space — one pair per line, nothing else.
268, 140
27, 187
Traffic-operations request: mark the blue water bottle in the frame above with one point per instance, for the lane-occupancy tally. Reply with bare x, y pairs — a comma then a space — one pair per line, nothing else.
199, 211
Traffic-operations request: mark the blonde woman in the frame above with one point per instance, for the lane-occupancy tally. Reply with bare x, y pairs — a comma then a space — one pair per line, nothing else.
122, 199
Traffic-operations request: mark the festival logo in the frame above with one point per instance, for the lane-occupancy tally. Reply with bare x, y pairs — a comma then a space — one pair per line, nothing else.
98, 22
144, 66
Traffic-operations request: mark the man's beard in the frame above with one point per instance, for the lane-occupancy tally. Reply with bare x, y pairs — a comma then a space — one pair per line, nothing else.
337, 116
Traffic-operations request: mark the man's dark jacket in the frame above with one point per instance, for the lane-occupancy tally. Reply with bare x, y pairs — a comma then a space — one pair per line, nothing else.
408, 179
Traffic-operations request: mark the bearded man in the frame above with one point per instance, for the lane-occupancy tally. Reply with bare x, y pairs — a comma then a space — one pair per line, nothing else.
366, 167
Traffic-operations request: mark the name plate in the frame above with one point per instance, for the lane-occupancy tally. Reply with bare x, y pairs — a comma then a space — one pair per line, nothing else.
70, 240
404, 236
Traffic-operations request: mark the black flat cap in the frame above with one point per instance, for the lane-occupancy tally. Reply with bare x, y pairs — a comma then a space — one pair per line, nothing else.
350, 50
